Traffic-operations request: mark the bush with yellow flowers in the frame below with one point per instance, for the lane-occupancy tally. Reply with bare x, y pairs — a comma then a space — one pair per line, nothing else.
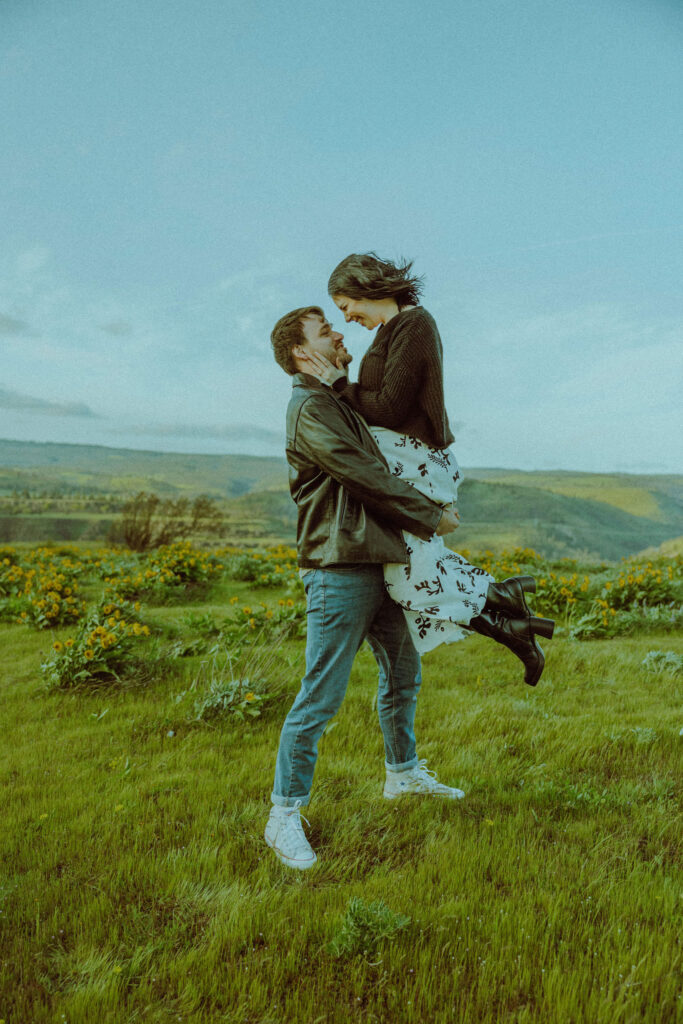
12, 583
8, 555
41, 592
645, 583
274, 567
560, 588
506, 563
162, 574
600, 621
187, 563
289, 619
100, 651
561, 593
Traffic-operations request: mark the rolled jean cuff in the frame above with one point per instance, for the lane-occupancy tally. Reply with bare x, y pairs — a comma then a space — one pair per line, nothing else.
405, 767
289, 801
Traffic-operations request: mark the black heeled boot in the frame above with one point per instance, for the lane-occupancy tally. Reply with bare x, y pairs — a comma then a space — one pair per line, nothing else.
507, 596
518, 635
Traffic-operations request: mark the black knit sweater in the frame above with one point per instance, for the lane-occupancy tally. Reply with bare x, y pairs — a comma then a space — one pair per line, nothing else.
400, 379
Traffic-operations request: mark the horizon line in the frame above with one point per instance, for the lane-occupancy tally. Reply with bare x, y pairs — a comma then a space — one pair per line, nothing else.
282, 458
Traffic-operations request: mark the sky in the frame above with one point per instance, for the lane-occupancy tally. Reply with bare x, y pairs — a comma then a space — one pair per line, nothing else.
177, 176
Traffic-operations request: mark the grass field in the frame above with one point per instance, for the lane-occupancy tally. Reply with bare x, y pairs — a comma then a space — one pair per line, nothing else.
136, 886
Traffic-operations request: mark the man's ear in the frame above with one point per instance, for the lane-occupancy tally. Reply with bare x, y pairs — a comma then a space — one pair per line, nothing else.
298, 352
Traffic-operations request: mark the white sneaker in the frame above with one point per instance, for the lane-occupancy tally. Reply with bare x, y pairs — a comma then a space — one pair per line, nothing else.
419, 781
285, 836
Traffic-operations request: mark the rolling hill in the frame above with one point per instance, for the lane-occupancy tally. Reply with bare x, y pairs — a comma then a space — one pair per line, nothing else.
83, 468
560, 514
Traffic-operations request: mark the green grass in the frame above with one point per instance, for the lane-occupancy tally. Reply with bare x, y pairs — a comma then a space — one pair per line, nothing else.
136, 886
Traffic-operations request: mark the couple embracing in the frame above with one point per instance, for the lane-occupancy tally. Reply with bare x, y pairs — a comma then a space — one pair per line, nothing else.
375, 484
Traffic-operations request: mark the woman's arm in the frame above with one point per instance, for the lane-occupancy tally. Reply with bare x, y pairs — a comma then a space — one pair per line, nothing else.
413, 352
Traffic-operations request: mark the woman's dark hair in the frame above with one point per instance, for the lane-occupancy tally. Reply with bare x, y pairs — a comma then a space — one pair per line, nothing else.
366, 276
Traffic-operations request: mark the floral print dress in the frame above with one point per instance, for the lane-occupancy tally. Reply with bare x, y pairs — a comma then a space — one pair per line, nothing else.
438, 590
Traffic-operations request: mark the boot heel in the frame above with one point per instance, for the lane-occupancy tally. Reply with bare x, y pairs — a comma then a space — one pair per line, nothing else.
543, 627
528, 584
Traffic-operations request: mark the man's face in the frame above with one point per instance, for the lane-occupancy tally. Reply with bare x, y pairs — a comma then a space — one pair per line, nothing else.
320, 339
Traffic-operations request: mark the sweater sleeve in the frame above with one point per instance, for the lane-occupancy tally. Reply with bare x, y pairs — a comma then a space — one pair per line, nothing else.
411, 350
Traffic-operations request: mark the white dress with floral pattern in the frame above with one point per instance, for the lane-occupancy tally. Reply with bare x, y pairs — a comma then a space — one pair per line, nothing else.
439, 590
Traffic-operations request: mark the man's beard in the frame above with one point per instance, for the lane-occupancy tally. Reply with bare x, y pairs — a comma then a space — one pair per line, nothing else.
345, 358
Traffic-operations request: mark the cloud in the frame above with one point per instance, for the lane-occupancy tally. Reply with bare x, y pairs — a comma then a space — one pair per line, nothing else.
10, 326
119, 328
28, 403
31, 260
224, 432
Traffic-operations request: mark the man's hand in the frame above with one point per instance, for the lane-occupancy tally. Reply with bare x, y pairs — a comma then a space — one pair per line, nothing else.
326, 372
449, 521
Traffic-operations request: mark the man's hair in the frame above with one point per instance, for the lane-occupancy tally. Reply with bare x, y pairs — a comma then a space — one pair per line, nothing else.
366, 276
287, 333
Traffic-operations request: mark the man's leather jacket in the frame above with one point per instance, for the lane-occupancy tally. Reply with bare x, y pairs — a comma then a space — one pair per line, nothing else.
351, 509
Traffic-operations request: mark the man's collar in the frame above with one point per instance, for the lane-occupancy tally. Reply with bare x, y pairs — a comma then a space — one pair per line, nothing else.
307, 380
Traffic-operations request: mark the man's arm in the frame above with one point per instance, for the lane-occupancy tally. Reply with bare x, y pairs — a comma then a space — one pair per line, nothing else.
323, 436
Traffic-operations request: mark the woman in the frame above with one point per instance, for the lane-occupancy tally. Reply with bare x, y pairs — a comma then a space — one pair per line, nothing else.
400, 394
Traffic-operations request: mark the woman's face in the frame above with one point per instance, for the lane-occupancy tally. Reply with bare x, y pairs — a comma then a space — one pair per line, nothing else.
368, 313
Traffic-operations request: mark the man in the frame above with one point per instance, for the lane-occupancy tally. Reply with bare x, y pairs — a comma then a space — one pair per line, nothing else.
351, 511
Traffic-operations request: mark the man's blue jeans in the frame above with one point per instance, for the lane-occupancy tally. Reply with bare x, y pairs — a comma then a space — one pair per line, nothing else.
345, 607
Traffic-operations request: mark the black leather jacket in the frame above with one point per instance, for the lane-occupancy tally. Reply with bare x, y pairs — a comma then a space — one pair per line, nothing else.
351, 509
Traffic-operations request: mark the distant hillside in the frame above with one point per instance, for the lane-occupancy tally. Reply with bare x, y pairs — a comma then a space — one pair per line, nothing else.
554, 524
94, 468
670, 549
656, 497
560, 514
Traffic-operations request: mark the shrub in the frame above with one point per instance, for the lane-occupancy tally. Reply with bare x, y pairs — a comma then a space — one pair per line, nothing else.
234, 697
99, 652
244, 568
560, 593
238, 679
600, 621
289, 621
662, 662
165, 574
364, 927
45, 596
147, 521
652, 583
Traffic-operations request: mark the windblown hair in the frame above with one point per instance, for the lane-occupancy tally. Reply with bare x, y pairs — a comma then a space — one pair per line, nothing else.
366, 276
287, 333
